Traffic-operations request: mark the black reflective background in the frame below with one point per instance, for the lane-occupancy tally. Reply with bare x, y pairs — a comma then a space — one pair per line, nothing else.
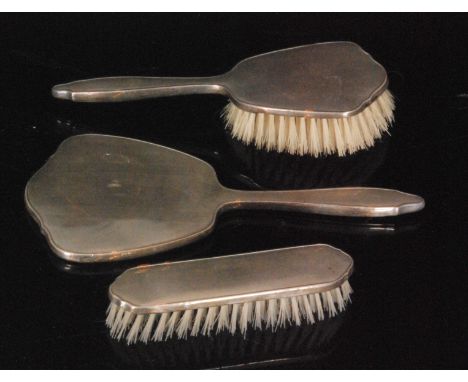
410, 304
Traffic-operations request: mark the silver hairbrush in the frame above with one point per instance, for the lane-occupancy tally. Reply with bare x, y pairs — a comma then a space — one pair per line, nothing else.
309, 100
106, 198
267, 289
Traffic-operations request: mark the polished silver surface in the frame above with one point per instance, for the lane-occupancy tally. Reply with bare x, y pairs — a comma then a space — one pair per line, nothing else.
194, 284
326, 80
106, 198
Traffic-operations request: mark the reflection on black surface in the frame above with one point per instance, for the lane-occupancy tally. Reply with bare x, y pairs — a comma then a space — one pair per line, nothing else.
273, 170
260, 348
321, 224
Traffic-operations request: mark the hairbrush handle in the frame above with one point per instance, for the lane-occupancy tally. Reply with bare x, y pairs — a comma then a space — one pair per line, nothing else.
346, 201
120, 89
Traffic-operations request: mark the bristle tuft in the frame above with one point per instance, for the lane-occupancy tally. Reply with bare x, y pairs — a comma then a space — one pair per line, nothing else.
259, 314
146, 332
197, 324
159, 332
210, 320
184, 324
223, 318
312, 136
273, 313
111, 313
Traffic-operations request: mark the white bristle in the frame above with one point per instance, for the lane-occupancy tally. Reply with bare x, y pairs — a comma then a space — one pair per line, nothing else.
236, 118
172, 324
259, 314
133, 333
243, 118
223, 318
307, 311
118, 319
339, 138
282, 134
260, 130
365, 131
358, 138
284, 315
324, 301
348, 137
159, 332
387, 106
326, 139
184, 324
245, 317
249, 130
296, 316
199, 317
338, 299
313, 304
330, 304
271, 134
114, 325
233, 321
127, 318
111, 312
371, 122
346, 290
303, 140
210, 320
292, 142
146, 333
318, 305
313, 136
273, 313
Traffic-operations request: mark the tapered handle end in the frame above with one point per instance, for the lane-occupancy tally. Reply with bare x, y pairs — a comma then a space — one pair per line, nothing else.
62, 92
410, 203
